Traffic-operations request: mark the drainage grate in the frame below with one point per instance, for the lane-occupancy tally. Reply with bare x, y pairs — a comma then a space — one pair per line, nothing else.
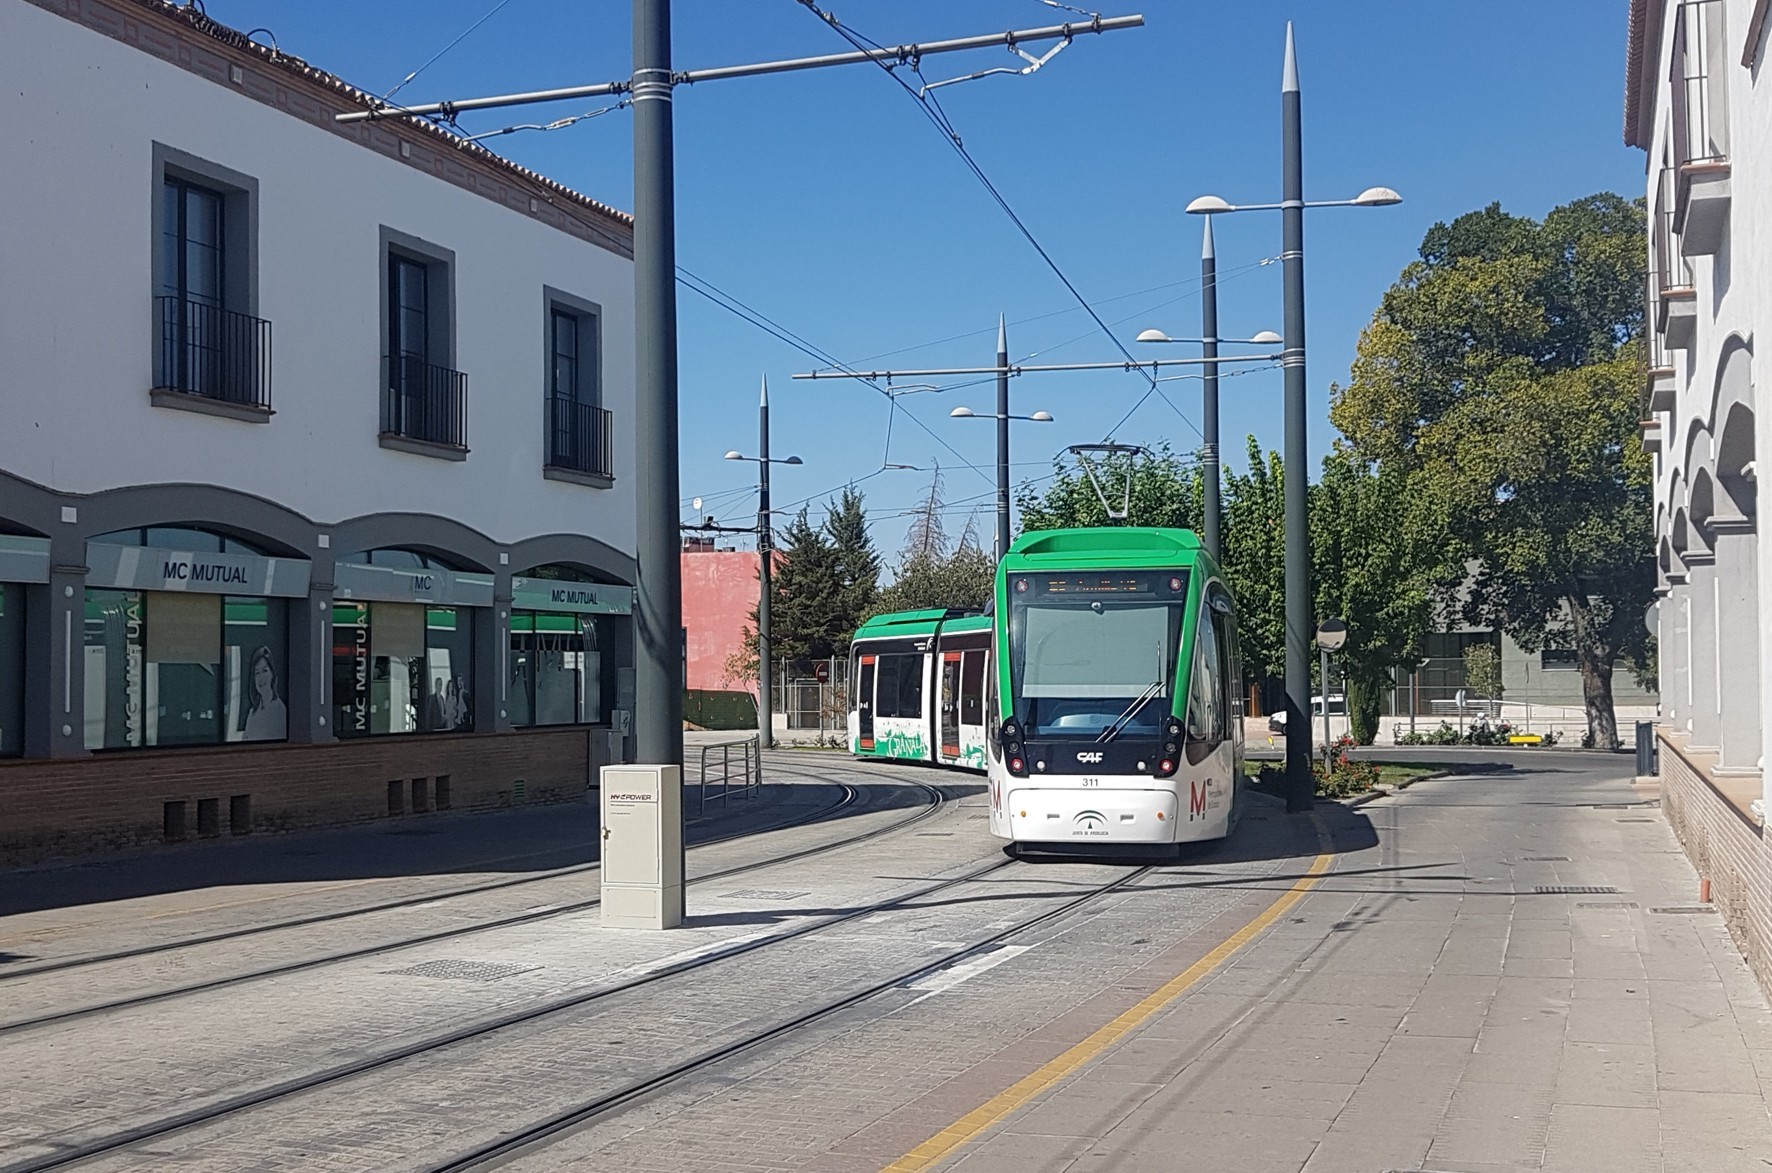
1606, 904
935, 834
1544, 859
762, 894
1633, 820
467, 971
1574, 889
978, 816
1686, 910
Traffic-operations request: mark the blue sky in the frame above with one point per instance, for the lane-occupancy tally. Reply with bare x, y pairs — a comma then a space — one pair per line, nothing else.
826, 200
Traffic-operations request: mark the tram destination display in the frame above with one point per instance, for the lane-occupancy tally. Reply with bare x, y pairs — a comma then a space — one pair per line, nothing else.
1151, 583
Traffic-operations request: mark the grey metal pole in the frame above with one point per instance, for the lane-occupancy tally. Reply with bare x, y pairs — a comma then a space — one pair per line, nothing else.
1323, 671
1002, 438
1300, 787
765, 548
1209, 388
658, 667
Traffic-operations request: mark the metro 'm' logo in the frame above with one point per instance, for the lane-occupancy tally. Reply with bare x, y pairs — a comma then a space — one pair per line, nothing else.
1196, 801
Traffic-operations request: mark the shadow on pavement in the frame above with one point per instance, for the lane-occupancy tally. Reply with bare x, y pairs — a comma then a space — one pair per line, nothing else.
514, 842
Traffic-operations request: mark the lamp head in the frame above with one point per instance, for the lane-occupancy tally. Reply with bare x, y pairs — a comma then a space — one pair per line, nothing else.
1151, 336
1267, 338
1377, 197
1207, 204
961, 413
1041, 417
735, 455
793, 460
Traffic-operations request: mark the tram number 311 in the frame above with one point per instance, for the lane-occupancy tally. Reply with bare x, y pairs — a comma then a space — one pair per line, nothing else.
1091, 782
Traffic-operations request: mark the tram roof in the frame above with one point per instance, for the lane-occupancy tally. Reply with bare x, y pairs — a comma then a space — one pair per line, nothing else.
925, 622
1106, 546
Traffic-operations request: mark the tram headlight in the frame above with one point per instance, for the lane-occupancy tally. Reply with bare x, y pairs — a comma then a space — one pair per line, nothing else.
1017, 766
1166, 767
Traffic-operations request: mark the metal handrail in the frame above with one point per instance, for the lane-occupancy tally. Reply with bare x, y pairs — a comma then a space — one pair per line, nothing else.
425, 401
579, 437
749, 770
215, 353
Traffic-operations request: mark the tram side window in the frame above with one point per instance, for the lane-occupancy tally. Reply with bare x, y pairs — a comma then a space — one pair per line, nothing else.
1205, 709
886, 686
898, 690
1231, 668
972, 689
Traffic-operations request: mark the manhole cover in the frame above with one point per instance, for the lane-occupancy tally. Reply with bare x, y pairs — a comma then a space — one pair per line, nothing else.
466, 971
761, 894
1605, 904
1544, 859
1684, 910
1574, 889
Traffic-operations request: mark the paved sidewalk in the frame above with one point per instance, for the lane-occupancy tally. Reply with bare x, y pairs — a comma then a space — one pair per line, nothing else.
1516, 977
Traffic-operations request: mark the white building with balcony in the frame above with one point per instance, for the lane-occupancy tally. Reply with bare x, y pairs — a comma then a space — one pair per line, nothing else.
316, 496
1699, 103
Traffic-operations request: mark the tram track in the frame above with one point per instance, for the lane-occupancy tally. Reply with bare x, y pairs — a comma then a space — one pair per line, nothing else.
937, 803
560, 1124
117, 1142
848, 798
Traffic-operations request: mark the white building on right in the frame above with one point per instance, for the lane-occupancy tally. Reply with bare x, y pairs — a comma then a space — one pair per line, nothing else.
1698, 103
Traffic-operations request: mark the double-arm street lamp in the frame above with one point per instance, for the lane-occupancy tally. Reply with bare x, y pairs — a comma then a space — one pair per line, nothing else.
1208, 344
1002, 416
765, 548
1300, 786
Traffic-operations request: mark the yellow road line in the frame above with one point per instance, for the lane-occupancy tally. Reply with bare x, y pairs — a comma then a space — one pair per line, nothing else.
975, 1122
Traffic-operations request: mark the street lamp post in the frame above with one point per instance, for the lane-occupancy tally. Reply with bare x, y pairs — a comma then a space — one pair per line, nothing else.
1209, 461
1002, 416
765, 555
1300, 787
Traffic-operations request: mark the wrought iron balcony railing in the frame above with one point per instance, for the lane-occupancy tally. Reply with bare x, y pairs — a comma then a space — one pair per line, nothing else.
578, 437
425, 402
216, 353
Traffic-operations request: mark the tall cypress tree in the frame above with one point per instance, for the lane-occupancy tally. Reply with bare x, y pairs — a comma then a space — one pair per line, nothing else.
858, 562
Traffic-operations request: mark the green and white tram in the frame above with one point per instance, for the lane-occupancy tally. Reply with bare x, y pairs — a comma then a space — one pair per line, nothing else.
1102, 694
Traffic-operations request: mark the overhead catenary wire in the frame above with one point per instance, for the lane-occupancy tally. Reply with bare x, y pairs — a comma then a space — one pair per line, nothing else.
435, 57
938, 117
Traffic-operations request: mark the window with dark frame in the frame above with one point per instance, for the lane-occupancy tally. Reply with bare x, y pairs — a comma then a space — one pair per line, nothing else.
578, 439
426, 400
206, 346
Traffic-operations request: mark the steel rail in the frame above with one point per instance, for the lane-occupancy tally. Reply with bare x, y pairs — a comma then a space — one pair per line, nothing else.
540, 914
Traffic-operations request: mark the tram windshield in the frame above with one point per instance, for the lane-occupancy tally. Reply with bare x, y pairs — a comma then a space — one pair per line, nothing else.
1094, 655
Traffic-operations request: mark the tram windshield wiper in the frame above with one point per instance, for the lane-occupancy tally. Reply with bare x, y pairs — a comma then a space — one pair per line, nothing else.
1118, 723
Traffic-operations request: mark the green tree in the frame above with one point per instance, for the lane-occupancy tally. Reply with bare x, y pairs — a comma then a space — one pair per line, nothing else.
1374, 557
858, 562
1482, 671
1253, 537
928, 574
1166, 492
1499, 378
806, 610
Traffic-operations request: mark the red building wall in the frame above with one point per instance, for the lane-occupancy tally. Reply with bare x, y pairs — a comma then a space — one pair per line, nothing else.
719, 594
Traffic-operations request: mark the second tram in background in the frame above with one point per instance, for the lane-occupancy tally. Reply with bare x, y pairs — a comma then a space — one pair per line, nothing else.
1101, 694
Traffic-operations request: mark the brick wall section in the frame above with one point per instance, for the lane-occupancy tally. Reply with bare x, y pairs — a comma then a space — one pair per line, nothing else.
1726, 849
106, 802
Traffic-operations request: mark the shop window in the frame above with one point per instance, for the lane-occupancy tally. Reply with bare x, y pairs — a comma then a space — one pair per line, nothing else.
12, 669
557, 669
1552, 659
401, 668
168, 668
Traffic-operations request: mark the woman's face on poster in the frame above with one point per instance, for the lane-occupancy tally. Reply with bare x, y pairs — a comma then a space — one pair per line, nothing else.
263, 681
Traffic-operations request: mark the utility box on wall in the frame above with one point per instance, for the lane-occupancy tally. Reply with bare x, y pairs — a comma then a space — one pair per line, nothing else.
642, 872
